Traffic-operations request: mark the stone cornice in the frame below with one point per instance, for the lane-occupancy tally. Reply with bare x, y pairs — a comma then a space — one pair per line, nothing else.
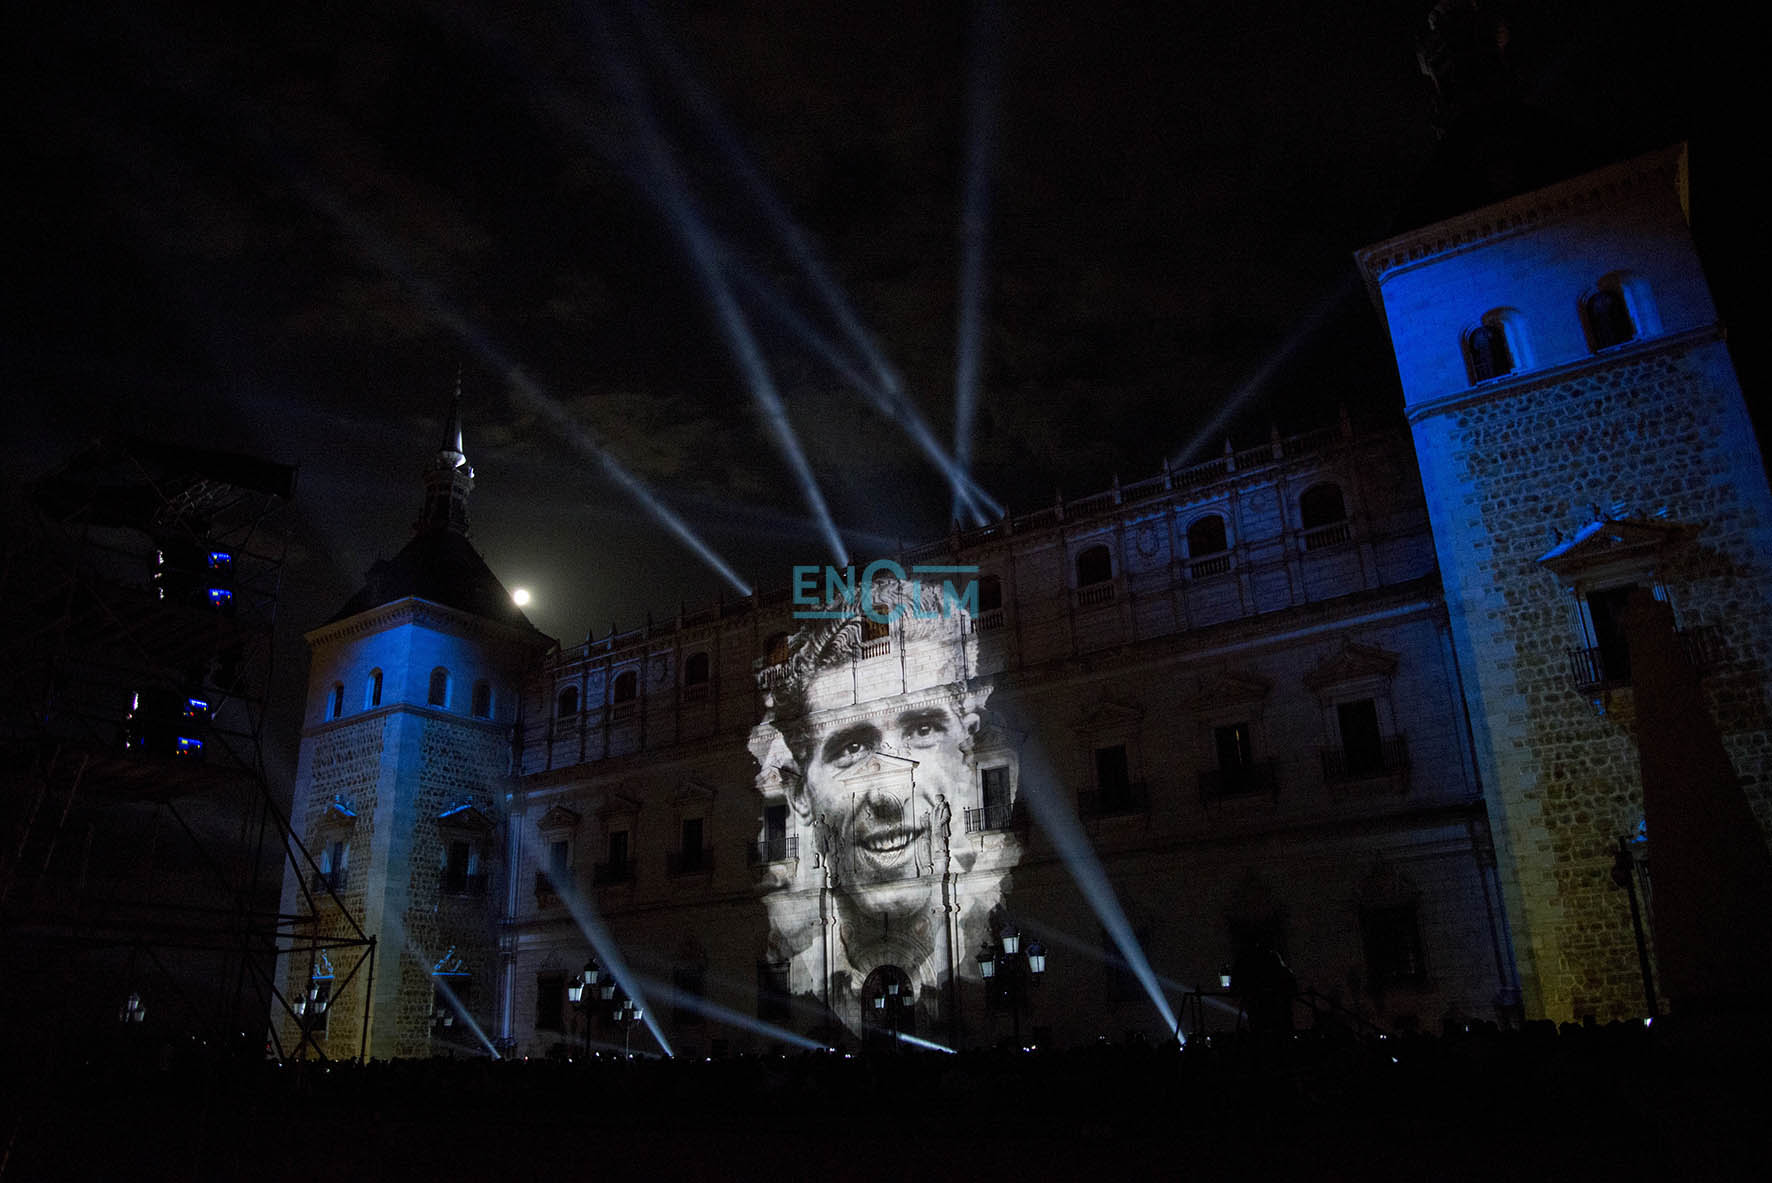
1518, 215
413, 610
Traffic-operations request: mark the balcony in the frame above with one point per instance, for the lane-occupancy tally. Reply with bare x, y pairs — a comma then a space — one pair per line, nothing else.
1591, 673
1209, 566
1119, 801
878, 647
606, 874
988, 620
1389, 759
694, 861
325, 881
1255, 779
1334, 534
773, 850
696, 691
1095, 595
999, 815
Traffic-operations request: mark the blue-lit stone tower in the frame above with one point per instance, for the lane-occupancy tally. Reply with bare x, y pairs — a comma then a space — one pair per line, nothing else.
1582, 434
401, 786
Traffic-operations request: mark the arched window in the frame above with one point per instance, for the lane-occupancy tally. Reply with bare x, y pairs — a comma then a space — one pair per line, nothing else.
695, 670
566, 705
337, 706
1206, 537
482, 699
1321, 505
627, 685
439, 693
372, 693
776, 647
1094, 565
1487, 350
1608, 319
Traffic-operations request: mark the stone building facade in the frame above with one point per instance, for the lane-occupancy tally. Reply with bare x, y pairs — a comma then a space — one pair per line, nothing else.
1356, 701
1581, 432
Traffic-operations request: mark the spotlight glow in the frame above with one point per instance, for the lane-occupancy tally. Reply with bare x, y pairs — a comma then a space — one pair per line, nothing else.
974, 224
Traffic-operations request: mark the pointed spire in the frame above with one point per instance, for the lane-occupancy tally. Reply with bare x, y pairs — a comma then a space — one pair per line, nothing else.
450, 477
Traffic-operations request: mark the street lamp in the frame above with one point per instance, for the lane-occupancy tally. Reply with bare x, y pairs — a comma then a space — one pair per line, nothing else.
581, 991
891, 1003
627, 1013
1011, 971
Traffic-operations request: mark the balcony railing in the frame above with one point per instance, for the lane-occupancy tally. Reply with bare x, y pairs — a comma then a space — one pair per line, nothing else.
324, 881
878, 647
1255, 779
1334, 534
773, 850
1209, 566
1389, 758
695, 691
689, 862
996, 816
1114, 802
1591, 673
604, 874
991, 618
1095, 595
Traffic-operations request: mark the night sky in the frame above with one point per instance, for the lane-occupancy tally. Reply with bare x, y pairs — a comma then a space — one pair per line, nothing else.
283, 229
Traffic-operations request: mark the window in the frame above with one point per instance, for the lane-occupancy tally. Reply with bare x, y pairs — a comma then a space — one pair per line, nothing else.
462, 872
560, 860
566, 705
1391, 934
691, 856
1608, 319
775, 834
1238, 772
618, 848
335, 860
1236, 749
373, 697
1605, 609
627, 686
1497, 345
481, 702
1206, 537
1362, 746
1321, 505
1487, 352
1094, 565
550, 1002
1113, 778
876, 637
776, 648
439, 691
617, 867
990, 593
994, 793
696, 671
686, 1009
337, 707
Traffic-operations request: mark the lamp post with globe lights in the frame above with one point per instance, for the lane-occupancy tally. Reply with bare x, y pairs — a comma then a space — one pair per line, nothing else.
1011, 970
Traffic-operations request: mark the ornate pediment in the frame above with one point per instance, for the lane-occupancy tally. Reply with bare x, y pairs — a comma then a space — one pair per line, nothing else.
618, 805
1230, 688
692, 790
465, 816
1606, 543
877, 766
1108, 715
1351, 663
558, 817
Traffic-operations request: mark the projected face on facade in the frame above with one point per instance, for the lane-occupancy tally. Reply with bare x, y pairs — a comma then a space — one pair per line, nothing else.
872, 744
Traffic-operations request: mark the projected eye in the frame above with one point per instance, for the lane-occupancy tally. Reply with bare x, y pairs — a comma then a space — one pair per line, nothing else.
850, 745
925, 729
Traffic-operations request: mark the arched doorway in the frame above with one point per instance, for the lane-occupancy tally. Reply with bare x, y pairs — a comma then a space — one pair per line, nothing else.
888, 1007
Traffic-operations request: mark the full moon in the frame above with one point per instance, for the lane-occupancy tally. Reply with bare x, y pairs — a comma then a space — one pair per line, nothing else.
519, 596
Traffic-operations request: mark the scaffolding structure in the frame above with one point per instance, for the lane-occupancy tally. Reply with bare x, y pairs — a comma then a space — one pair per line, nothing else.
142, 852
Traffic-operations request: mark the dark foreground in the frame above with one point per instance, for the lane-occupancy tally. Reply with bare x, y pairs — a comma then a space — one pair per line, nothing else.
1608, 1103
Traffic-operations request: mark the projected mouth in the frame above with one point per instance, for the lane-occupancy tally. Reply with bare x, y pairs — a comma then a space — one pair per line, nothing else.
889, 842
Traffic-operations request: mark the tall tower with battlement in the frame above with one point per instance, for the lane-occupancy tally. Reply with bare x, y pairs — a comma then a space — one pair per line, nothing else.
400, 793
1582, 434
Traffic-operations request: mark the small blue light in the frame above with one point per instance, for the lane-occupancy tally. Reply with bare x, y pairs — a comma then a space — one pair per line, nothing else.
220, 559
195, 708
220, 595
189, 747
